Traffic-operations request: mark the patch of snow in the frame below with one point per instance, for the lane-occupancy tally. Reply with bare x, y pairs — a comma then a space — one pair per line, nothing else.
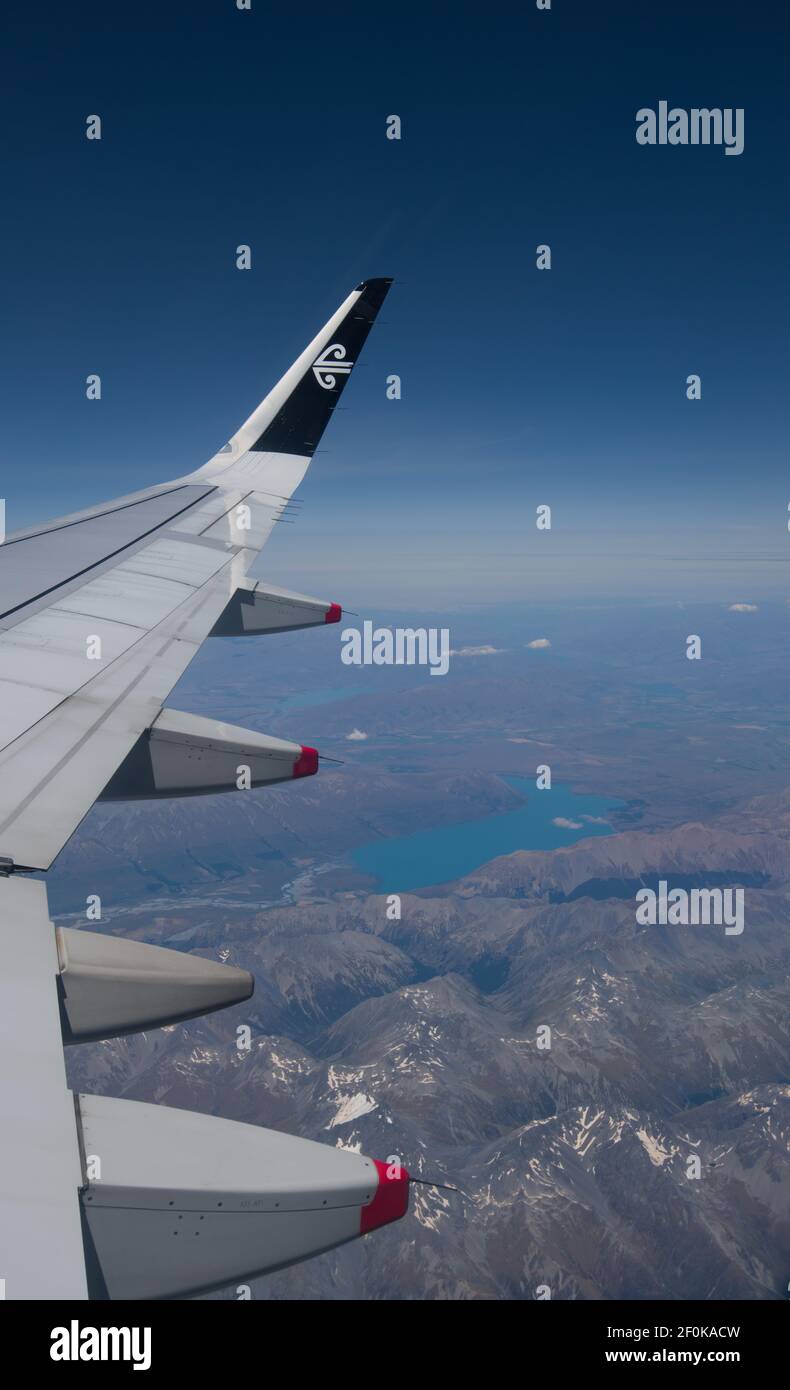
654, 1149
350, 1108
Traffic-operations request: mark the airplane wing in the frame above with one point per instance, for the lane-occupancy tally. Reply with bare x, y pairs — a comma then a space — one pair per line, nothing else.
100, 614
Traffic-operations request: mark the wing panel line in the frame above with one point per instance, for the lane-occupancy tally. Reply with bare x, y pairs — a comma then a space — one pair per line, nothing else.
69, 579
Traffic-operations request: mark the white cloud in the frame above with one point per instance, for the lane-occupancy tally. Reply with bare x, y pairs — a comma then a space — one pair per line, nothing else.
356, 736
743, 608
539, 642
477, 651
564, 824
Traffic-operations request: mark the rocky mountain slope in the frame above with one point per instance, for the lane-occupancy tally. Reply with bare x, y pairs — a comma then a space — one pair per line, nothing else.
642, 1154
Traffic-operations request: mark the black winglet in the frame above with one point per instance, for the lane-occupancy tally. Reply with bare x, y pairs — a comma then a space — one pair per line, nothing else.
301, 420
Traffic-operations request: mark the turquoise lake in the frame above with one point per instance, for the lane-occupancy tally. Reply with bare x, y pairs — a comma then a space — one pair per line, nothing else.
303, 698
449, 851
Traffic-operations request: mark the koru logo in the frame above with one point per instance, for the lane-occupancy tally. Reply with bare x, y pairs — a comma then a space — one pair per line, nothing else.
330, 365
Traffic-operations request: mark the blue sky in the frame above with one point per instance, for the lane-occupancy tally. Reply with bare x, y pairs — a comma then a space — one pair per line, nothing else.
565, 387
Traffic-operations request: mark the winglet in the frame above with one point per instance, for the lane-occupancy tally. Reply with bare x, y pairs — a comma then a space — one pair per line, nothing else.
294, 415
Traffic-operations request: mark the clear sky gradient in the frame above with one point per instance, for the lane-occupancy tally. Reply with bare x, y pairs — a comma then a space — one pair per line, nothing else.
520, 387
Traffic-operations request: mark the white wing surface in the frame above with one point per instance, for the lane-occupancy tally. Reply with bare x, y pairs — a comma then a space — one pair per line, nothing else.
100, 614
